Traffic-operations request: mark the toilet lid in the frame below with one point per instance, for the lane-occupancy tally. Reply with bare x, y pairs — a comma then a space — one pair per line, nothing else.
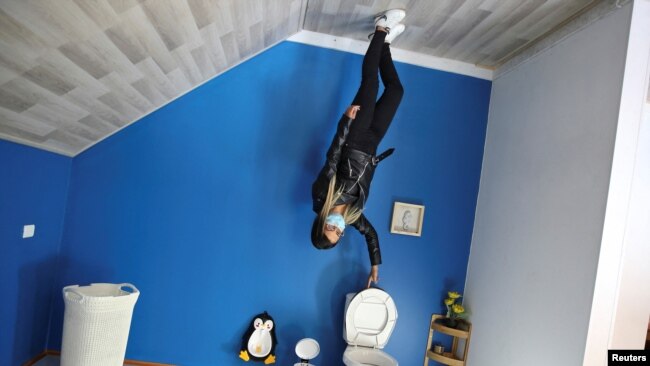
370, 319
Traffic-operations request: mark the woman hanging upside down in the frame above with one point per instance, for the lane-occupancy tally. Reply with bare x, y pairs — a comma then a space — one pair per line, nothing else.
341, 189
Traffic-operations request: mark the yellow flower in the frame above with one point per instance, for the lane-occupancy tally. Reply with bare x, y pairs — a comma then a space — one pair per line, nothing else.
454, 294
458, 308
449, 301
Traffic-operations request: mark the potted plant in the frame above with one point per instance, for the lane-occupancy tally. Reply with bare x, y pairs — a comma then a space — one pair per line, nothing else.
455, 311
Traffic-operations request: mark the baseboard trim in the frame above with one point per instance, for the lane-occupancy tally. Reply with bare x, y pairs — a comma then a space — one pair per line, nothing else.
48, 352
35, 359
145, 363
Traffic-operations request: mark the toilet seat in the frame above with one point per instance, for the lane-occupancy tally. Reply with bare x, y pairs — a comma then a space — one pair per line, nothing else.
358, 356
370, 319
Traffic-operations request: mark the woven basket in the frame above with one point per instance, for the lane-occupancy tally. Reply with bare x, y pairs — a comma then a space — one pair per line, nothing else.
96, 323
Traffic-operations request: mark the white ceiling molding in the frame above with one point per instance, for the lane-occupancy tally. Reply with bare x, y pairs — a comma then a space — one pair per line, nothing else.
400, 55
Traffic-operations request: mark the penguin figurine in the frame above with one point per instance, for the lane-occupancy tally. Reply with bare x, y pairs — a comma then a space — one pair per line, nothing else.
258, 343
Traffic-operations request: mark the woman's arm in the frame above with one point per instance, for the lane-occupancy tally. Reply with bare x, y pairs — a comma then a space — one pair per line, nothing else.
372, 240
334, 152
373, 276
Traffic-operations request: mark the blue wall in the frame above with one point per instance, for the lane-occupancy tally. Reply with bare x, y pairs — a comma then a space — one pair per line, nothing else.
33, 190
205, 206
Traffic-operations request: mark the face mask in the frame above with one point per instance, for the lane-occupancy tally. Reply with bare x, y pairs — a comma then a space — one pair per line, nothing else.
336, 220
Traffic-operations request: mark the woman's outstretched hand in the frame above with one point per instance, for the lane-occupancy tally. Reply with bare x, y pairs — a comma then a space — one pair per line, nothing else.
352, 111
374, 275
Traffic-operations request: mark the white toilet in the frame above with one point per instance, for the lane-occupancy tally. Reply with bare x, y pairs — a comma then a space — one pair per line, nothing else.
370, 317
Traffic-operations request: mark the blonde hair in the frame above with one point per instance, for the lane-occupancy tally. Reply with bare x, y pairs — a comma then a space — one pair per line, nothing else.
350, 215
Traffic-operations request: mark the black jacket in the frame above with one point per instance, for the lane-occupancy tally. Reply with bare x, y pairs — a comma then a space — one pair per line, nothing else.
354, 170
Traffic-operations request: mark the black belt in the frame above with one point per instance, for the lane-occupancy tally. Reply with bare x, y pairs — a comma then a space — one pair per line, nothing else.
382, 156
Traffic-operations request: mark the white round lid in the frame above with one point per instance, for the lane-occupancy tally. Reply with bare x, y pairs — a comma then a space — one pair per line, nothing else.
307, 349
370, 318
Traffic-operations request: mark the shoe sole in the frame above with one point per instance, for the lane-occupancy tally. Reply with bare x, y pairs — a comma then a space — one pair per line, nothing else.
383, 15
391, 39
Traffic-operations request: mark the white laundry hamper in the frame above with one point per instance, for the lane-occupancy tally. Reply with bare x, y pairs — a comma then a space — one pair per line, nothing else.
96, 323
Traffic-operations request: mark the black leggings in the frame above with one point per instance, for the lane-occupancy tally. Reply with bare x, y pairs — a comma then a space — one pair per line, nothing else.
374, 117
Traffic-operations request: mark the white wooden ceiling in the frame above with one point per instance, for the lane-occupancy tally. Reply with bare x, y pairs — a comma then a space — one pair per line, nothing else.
482, 32
74, 71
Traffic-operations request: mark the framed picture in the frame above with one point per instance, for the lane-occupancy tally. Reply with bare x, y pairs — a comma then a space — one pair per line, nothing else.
407, 219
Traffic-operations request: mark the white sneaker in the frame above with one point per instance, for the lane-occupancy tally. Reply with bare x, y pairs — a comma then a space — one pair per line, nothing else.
394, 32
390, 18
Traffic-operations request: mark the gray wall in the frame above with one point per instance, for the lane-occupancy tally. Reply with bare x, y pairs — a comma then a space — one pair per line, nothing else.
542, 199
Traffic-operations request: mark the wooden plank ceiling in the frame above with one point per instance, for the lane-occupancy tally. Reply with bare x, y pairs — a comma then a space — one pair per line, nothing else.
480, 32
74, 71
